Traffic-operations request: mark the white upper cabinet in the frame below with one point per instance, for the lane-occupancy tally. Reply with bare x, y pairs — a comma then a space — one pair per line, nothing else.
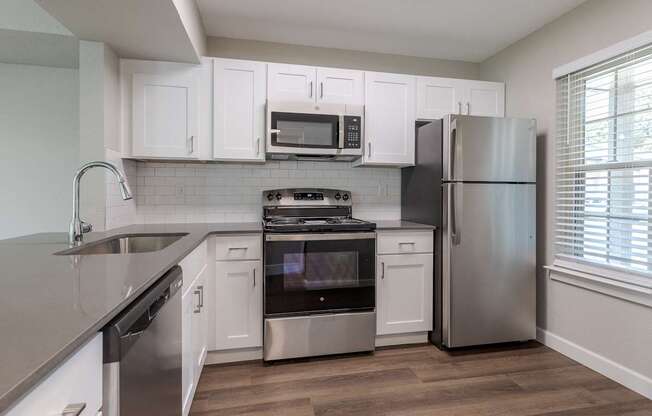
437, 97
299, 83
291, 83
485, 98
389, 119
239, 94
165, 115
340, 86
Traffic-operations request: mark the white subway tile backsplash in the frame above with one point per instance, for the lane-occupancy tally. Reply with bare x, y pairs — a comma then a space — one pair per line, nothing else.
167, 192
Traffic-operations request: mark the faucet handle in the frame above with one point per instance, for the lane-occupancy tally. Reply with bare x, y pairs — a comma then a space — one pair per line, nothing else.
86, 227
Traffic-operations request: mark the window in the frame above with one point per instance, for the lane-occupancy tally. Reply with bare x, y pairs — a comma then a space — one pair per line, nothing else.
604, 163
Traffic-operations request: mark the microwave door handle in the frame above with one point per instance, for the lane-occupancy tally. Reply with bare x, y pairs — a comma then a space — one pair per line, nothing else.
340, 144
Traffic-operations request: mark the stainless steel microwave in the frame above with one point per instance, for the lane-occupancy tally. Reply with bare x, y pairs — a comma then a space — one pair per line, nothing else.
326, 131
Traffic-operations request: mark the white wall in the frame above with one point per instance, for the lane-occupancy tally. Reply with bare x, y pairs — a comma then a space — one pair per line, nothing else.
39, 147
26, 15
611, 328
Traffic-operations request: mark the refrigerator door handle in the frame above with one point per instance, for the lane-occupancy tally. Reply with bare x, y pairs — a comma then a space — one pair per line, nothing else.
451, 150
455, 236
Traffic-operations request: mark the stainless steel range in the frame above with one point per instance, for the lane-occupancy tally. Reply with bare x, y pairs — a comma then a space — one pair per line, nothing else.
320, 275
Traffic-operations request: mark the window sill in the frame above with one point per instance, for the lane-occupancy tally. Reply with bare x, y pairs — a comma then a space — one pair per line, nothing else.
603, 281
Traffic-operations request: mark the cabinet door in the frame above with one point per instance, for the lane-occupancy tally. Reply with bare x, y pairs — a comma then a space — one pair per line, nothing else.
291, 83
165, 114
437, 97
404, 293
199, 326
189, 303
341, 86
389, 119
485, 99
239, 304
76, 380
239, 94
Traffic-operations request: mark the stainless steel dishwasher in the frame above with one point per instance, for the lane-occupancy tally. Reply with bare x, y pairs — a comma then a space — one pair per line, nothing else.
142, 353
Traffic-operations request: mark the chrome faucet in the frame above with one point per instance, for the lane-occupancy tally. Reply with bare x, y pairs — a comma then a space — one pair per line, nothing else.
79, 227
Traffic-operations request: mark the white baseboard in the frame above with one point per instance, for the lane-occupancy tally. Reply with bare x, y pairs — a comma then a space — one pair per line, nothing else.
401, 339
608, 368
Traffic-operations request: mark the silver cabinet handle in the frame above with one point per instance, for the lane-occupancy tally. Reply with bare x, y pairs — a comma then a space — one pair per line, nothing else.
191, 144
369, 149
237, 248
198, 307
459, 107
201, 295
254, 277
468, 109
310, 89
321, 88
74, 409
258, 146
382, 270
407, 243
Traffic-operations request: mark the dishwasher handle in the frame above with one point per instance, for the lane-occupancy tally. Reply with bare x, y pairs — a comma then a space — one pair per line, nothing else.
125, 329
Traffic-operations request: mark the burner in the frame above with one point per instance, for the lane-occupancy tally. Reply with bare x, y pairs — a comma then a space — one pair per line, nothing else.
285, 221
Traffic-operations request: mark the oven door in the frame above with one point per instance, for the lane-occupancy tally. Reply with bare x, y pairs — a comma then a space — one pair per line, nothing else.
305, 131
319, 273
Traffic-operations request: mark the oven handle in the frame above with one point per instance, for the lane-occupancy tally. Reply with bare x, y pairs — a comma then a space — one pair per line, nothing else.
320, 237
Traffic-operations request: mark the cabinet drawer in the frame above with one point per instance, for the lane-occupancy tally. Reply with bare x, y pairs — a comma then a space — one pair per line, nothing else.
239, 247
77, 380
193, 264
401, 242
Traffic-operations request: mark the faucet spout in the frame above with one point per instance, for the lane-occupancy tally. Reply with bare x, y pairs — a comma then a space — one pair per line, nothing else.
77, 226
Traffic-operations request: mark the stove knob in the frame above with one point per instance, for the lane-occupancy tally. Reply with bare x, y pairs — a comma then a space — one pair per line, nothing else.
270, 197
346, 197
338, 196
278, 196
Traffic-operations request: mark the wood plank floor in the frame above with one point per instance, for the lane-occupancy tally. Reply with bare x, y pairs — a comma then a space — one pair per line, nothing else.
522, 380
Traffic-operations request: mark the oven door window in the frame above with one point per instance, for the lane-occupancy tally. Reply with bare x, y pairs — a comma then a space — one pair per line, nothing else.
319, 276
305, 130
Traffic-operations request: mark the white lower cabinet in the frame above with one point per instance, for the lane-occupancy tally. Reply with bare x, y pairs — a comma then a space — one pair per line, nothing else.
404, 285
194, 321
189, 302
239, 304
78, 381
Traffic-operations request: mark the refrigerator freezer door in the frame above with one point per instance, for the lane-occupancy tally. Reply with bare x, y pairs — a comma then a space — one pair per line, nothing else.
489, 271
489, 149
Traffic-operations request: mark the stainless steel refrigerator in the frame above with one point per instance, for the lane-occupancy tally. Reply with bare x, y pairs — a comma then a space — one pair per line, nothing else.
475, 179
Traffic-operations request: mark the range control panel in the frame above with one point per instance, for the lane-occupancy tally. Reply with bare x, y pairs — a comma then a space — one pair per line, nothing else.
298, 197
352, 132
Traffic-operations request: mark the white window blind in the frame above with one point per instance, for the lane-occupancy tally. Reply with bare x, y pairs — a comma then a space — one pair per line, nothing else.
604, 162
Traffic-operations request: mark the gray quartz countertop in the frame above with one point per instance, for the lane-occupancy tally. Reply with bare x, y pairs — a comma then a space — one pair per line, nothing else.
402, 225
50, 305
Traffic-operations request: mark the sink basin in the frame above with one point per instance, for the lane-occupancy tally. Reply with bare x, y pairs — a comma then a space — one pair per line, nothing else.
125, 244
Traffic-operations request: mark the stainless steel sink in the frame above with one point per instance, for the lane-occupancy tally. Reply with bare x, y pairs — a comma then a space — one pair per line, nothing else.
125, 244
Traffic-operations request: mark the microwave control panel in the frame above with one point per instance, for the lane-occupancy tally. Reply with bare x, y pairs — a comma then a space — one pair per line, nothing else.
352, 132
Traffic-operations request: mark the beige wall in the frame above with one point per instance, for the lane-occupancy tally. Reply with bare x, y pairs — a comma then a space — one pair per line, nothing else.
339, 58
615, 329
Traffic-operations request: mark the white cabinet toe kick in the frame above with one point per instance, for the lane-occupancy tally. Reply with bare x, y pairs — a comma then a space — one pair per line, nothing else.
303, 336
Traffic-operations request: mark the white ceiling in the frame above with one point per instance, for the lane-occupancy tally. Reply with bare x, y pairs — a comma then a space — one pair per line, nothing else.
468, 30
